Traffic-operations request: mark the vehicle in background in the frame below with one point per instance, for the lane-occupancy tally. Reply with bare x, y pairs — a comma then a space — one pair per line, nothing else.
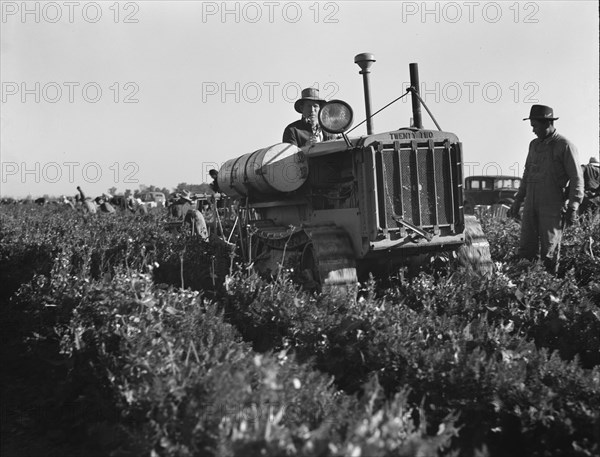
489, 190
153, 199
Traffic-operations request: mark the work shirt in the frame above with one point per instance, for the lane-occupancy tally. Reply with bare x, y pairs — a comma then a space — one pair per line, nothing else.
302, 132
591, 178
551, 164
317, 133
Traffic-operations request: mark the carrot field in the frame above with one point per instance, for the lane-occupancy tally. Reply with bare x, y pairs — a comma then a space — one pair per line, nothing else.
122, 339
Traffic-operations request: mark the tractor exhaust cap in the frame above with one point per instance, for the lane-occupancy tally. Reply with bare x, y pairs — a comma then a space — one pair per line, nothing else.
416, 105
365, 61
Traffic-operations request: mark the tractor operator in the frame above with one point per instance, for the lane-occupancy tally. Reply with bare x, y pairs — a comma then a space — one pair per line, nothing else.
307, 130
552, 164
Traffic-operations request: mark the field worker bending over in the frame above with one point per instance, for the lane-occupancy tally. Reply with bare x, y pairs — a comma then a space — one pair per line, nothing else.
552, 164
67, 202
104, 205
87, 203
195, 218
591, 186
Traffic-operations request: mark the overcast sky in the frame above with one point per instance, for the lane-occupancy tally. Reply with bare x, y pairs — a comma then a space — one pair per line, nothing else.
103, 94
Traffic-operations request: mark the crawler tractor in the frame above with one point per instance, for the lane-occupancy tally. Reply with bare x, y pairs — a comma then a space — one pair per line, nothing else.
350, 206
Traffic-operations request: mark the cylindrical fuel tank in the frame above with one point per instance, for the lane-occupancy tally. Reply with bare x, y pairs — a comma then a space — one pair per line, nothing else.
279, 168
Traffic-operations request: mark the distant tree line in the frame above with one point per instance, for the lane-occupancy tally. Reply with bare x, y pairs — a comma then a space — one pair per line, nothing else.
192, 188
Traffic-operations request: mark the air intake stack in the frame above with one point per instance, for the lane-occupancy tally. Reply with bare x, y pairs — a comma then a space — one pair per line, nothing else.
364, 61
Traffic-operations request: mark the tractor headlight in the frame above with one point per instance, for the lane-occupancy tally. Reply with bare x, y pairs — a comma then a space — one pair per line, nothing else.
335, 116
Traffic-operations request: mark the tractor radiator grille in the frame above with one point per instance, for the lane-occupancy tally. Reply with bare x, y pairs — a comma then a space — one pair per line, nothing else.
420, 182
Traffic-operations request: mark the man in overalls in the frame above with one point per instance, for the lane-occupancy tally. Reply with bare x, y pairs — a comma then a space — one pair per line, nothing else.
552, 164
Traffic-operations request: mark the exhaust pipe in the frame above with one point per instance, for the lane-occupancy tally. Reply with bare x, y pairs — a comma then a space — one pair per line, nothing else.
416, 105
364, 61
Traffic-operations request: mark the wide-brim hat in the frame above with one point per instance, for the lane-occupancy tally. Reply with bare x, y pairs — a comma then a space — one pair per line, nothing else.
309, 94
186, 195
594, 161
541, 112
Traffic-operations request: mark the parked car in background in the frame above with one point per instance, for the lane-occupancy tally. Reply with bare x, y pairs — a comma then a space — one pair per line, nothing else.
153, 199
489, 190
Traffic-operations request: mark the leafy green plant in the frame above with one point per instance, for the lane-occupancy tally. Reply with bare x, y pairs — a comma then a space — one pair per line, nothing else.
242, 365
